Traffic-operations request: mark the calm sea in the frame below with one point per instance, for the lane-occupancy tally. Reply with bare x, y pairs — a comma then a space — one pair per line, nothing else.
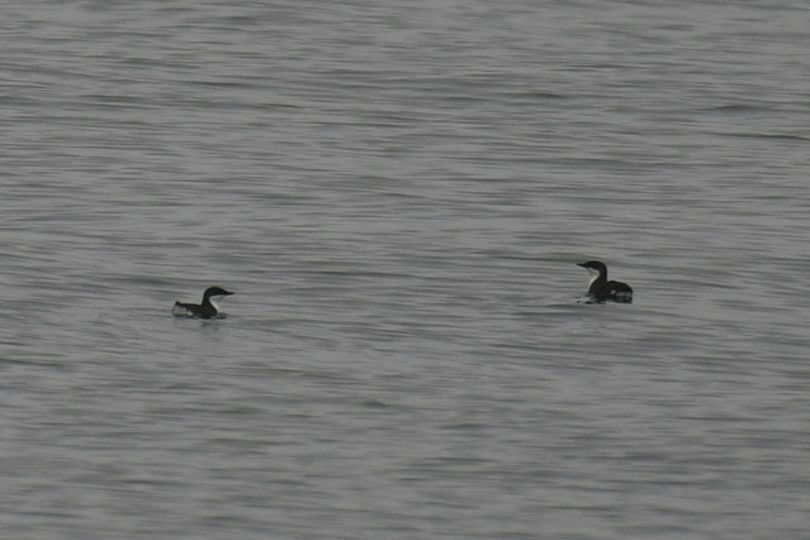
398, 192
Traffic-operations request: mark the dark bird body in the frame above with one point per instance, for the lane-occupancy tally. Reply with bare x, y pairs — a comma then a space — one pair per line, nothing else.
601, 290
207, 309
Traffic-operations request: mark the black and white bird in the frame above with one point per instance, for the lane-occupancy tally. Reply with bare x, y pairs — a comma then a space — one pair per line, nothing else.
601, 290
207, 309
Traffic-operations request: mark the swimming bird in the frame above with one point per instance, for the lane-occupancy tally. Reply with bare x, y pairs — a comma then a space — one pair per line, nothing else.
207, 309
600, 289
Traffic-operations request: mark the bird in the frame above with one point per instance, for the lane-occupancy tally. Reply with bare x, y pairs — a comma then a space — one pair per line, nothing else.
207, 309
601, 290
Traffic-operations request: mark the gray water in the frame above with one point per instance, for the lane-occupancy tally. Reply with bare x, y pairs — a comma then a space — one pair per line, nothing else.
398, 193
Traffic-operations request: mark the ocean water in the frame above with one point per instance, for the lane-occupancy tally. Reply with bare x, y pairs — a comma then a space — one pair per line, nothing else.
398, 193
